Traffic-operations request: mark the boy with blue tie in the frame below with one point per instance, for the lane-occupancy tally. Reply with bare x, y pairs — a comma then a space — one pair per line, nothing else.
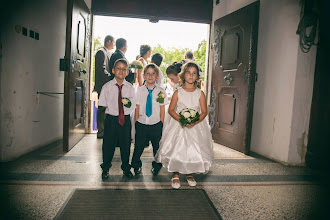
118, 96
149, 116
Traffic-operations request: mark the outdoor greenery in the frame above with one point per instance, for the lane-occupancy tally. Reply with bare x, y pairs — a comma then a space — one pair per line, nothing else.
176, 55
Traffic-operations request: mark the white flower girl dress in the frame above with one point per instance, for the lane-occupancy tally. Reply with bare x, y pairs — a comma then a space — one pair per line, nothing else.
186, 150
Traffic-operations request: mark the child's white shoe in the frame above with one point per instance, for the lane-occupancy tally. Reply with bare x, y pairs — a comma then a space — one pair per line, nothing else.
191, 181
175, 185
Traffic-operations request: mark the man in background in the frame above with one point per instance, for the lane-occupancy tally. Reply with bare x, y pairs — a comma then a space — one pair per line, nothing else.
121, 48
102, 76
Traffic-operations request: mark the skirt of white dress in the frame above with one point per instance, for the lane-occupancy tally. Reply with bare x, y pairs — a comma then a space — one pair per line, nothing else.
186, 150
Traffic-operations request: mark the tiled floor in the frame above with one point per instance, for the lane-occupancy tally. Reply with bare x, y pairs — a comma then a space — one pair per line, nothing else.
36, 185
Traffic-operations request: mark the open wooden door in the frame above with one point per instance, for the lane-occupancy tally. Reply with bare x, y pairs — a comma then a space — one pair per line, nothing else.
233, 77
77, 73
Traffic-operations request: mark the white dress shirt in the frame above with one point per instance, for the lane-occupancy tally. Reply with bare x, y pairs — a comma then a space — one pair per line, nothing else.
141, 100
160, 80
109, 97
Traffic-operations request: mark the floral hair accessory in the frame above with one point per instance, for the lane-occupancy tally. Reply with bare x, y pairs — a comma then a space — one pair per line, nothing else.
126, 102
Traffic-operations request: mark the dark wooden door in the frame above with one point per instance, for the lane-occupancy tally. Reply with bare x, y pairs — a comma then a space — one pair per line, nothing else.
75, 82
233, 77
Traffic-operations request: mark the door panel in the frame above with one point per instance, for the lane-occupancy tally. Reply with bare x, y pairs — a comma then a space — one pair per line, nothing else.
233, 78
75, 98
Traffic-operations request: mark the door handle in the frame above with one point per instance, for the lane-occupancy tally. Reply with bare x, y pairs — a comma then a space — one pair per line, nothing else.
82, 71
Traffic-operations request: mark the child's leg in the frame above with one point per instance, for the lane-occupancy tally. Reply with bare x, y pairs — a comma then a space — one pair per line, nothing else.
109, 142
140, 139
124, 141
155, 135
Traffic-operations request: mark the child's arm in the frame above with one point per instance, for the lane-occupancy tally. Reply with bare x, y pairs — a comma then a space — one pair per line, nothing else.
137, 112
202, 102
171, 108
162, 113
139, 77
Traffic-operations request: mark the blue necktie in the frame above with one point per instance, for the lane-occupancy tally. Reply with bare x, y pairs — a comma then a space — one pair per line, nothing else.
149, 103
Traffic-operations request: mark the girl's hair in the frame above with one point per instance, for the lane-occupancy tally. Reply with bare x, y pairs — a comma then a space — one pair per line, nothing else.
183, 72
174, 68
153, 66
144, 49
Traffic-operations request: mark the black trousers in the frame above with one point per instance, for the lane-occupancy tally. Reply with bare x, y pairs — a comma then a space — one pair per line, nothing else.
100, 120
115, 134
145, 133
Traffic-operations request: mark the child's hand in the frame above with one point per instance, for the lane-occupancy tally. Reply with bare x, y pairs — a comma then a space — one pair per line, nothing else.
190, 125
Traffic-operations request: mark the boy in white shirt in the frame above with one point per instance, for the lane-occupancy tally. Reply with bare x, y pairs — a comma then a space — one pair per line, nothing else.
149, 116
118, 96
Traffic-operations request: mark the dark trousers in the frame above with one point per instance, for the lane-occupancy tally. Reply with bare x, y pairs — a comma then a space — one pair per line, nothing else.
100, 120
115, 134
145, 133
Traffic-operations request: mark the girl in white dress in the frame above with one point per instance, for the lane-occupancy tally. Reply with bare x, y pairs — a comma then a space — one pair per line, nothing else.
188, 149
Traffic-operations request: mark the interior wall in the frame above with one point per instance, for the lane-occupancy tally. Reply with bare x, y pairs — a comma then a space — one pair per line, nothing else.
283, 91
27, 66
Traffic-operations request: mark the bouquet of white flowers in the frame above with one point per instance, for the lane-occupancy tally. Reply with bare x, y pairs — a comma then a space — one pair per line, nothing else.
136, 65
188, 116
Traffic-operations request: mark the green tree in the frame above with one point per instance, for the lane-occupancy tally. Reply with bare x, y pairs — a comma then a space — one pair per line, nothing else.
176, 55
200, 54
97, 46
170, 55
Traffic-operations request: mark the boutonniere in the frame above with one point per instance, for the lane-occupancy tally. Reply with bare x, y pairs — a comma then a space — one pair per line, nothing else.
161, 97
126, 102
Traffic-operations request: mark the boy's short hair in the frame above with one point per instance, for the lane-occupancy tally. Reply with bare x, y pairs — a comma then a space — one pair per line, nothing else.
120, 43
151, 65
122, 60
107, 38
157, 58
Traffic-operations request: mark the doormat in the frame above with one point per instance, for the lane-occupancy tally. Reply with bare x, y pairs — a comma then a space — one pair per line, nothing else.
138, 204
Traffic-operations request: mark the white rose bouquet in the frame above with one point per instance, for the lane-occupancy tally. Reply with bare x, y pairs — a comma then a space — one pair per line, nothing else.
161, 96
136, 65
188, 116
126, 102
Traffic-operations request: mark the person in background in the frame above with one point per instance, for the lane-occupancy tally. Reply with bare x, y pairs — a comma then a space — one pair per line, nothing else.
102, 76
145, 54
157, 59
172, 84
121, 48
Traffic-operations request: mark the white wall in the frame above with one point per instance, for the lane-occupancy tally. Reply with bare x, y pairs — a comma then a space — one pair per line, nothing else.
29, 65
284, 89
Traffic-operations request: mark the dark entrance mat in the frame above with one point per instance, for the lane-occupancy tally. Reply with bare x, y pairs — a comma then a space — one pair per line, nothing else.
138, 204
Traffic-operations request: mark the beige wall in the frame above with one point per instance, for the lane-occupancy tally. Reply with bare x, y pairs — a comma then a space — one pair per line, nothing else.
28, 66
284, 88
